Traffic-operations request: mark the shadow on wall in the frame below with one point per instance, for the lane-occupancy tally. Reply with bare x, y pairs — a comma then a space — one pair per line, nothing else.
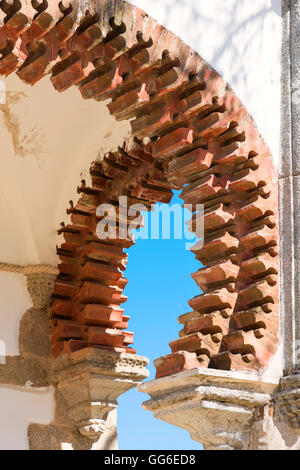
276, 5
235, 48
233, 17
241, 39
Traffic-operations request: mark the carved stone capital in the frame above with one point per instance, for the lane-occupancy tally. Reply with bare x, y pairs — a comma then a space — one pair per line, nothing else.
90, 381
288, 399
216, 407
40, 287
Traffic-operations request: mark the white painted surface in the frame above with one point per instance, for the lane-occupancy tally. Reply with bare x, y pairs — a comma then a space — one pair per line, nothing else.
18, 408
48, 141
14, 301
241, 39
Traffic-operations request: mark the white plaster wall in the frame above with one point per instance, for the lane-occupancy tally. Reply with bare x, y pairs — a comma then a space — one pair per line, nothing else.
18, 408
241, 39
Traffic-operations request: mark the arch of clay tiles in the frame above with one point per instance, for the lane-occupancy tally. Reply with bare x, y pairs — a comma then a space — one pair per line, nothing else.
189, 131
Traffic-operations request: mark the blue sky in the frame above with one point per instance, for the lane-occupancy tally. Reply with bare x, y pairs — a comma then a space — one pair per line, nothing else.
158, 290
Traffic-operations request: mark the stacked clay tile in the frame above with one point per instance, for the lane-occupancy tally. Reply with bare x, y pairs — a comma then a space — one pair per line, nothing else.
88, 294
189, 131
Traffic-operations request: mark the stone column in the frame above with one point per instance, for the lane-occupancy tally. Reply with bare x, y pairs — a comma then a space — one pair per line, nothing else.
288, 397
88, 383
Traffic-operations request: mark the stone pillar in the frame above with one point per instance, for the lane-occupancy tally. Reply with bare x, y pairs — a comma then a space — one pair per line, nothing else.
288, 396
88, 383
289, 173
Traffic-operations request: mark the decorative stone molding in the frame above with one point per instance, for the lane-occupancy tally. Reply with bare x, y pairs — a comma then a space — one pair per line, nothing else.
262, 429
30, 269
88, 383
216, 407
288, 399
40, 287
